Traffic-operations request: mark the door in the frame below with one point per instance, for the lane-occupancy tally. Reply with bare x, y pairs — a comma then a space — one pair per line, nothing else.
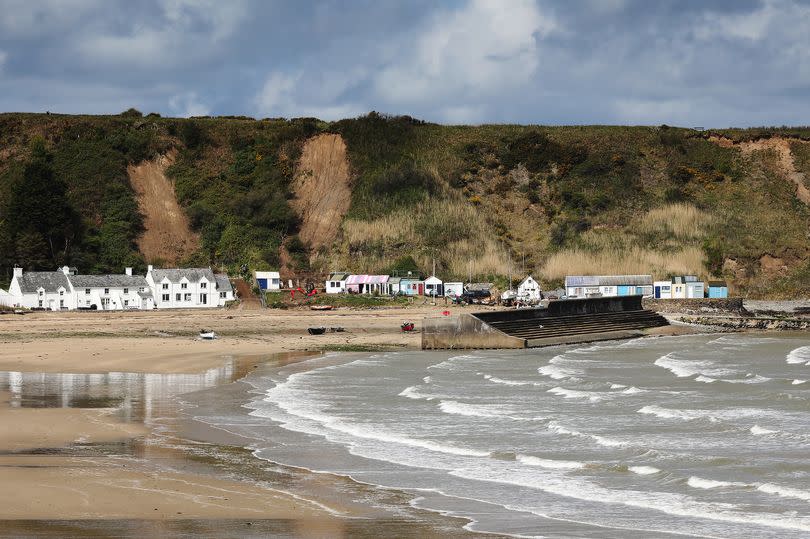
262, 284
421, 289
657, 292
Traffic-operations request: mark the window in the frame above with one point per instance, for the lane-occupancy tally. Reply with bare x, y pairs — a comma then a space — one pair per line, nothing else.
126, 303
183, 285
177, 297
126, 291
40, 303
203, 284
165, 286
106, 290
203, 298
186, 297
61, 304
141, 289
165, 297
41, 293
61, 292
87, 291
221, 294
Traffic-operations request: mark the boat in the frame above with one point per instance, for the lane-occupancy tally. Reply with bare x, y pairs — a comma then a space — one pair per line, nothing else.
320, 307
407, 326
316, 330
207, 335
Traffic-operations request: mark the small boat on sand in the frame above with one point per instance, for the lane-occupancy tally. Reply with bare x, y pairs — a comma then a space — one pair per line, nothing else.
321, 307
316, 330
407, 327
207, 335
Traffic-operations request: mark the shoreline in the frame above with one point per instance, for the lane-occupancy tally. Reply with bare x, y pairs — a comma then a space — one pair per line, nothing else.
134, 462
123, 464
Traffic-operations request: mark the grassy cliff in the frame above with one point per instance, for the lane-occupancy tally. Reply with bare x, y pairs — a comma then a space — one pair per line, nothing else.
491, 200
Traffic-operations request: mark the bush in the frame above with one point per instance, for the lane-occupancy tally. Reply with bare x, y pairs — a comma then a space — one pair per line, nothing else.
132, 113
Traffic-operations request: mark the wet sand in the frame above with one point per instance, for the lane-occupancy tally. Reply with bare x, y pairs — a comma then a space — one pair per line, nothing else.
104, 448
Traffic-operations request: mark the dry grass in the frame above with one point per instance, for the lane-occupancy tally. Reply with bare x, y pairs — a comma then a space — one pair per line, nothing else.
449, 230
624, 261
679, 221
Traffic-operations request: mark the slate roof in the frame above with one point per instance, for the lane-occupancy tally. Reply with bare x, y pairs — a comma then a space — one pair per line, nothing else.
176, 275
108, 281
32, 281
338, 276
223, 282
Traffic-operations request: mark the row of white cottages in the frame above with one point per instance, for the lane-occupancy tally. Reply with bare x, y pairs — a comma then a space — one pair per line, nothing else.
63, 289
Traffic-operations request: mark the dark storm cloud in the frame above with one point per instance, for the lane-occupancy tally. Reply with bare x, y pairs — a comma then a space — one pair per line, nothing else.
471, 61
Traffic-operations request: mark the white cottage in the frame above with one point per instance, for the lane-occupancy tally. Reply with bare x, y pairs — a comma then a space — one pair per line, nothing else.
336, 283
268, 280
434, 286
49, 290
529, 289
224, 288
181, 288
112, 292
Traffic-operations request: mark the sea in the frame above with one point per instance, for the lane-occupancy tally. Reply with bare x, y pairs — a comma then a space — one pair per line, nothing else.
683, 436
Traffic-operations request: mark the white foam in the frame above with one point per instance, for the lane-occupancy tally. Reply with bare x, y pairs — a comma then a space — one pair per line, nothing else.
633, 390
601, 440
699, 482
683, 368
784, 492
557, 372
705, 379
480, 410
617, 386
644, 470
754, 379
496, 380
574, 394
413, 393
756, 430
797, 382
426, 379
799, 355
671, 413
550, 464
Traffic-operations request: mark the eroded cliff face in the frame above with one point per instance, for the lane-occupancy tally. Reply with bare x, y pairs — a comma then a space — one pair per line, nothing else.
167, 237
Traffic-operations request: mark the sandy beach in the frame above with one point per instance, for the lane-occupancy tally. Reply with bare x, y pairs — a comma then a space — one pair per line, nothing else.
86, 459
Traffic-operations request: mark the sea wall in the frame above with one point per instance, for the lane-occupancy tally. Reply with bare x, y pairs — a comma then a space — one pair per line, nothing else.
464, 331
696, 306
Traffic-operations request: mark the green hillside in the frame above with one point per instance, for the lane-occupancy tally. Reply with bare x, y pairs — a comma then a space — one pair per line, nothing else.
493, 200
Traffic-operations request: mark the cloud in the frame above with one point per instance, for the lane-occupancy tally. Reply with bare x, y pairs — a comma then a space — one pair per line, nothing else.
302, 94
478, 50
188, 104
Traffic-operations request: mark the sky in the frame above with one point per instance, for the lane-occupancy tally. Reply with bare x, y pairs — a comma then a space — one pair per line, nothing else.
681, 62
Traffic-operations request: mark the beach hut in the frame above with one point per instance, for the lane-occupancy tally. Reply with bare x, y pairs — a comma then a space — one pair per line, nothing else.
662, 290
718, 289
453, 289
591, 286
336, 283
355, 284
268, 280
434, 286
529, 289
411, 285
394, 284
694, 289
378, 284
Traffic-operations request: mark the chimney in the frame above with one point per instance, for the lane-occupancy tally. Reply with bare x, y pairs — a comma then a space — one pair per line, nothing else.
66, 270
128, 271
149, 268
17, 272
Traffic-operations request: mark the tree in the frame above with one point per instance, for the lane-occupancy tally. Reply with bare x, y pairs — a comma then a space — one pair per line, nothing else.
40, 221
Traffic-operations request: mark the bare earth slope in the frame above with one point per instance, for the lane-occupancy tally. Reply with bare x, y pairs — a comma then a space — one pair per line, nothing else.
785, 161
168, 236
322, 189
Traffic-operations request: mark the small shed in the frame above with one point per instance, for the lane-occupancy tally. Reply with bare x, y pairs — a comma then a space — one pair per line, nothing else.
434, 286
394, 284
529, 289
411, 286
268, 280
588, 286
336, 283
718, 289
663, 290
453, 289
